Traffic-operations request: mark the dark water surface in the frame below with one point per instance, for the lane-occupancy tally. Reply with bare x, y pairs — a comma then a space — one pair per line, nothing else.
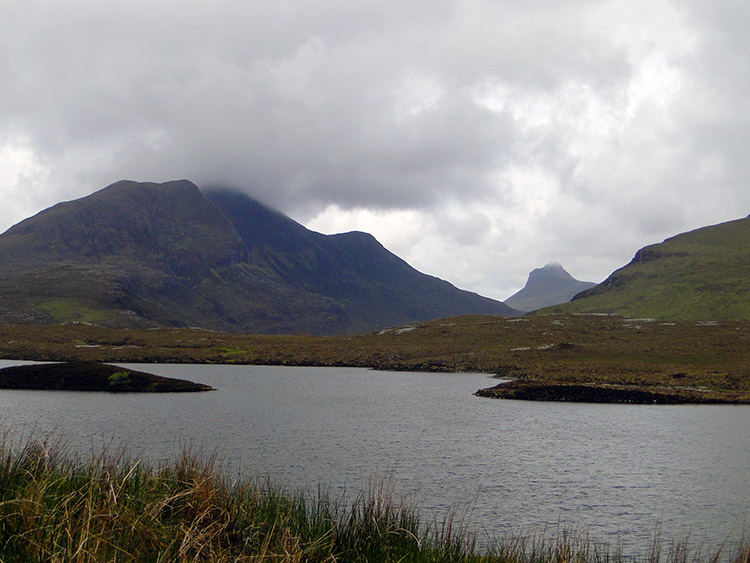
615, 472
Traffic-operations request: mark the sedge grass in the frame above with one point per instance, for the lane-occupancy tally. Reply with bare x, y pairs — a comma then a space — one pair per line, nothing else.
110, 509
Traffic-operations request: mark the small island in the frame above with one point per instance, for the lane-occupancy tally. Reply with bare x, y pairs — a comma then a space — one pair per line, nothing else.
92, 376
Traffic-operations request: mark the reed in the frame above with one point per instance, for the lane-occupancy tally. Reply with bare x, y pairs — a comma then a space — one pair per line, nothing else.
56, 508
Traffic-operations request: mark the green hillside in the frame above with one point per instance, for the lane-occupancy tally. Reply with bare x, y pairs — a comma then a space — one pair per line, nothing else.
703, 274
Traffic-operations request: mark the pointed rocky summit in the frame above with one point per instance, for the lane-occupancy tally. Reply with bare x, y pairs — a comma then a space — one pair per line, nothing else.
547, 286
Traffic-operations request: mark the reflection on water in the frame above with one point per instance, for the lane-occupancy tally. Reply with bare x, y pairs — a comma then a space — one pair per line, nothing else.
614, 471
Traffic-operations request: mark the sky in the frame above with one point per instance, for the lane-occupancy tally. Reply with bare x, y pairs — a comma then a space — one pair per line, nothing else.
475, 139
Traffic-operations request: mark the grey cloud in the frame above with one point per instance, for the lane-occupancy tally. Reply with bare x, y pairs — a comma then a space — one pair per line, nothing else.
392, 105
715, 111
293, 100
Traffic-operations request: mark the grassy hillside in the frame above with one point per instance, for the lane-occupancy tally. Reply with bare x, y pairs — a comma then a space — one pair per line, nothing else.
712, 358
703, 274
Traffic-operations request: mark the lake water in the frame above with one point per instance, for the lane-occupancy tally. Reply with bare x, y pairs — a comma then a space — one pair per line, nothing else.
615, 472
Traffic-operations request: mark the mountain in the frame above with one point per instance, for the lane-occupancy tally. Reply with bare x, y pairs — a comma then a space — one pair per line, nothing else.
546, 286
145, 255
702, 274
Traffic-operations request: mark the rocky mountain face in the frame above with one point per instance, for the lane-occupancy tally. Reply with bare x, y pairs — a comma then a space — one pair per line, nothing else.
702, 274
145, 254
546, 286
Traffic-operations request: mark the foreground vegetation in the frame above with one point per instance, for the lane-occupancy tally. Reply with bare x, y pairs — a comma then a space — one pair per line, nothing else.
681, 358
54, 509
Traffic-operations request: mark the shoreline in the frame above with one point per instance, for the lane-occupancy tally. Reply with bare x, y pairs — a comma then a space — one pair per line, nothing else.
538, 390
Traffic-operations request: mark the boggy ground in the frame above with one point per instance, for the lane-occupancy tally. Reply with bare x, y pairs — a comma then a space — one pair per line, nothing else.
682, 359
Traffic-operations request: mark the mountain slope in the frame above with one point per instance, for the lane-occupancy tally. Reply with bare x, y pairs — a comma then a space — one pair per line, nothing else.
131, 254
379, 288
701, 274
144, 254
547, 286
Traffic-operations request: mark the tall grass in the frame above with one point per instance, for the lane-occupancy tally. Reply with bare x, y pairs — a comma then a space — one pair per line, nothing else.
109, 509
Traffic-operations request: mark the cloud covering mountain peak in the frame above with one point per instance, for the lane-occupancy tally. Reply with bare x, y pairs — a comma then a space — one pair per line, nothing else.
474, 138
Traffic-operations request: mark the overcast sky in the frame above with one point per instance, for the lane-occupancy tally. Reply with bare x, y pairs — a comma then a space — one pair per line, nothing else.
475, 139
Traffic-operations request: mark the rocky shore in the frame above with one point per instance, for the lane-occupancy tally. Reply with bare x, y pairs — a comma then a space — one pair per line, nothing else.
600, 393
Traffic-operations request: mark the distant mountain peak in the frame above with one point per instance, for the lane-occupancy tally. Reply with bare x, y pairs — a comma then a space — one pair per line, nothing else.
549, 285
551, 269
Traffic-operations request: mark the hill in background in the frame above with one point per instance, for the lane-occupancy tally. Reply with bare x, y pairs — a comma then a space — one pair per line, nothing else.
146, 255
701, 274
547, 286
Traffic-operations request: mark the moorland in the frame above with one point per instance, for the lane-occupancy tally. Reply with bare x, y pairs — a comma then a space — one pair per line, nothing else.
686, 361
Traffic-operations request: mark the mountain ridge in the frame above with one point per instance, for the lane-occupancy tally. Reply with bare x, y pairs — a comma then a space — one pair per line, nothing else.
143, 254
